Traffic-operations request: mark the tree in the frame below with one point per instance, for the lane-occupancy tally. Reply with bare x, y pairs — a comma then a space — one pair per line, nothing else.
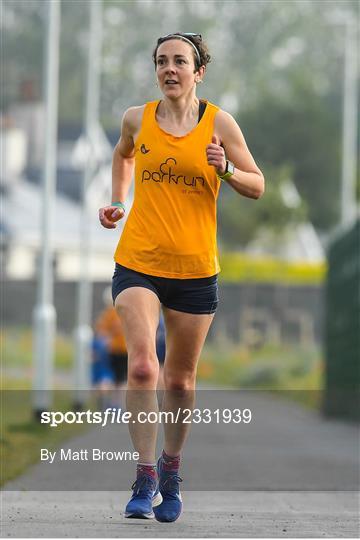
240, 218
277, 67
306, 134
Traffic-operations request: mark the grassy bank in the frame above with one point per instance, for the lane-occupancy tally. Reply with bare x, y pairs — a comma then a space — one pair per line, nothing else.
22, 436
16, 345
289, 370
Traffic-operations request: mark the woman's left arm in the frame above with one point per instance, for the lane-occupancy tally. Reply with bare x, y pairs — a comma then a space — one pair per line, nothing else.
229, 143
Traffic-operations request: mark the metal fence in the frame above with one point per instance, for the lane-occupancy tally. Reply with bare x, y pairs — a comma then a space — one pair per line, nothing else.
342, 326
250, 314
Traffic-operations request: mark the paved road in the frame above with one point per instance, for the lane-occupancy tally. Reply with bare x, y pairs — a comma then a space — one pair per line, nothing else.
207, 515
289, 473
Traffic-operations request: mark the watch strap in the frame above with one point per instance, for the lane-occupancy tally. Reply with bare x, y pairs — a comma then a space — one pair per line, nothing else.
227, 175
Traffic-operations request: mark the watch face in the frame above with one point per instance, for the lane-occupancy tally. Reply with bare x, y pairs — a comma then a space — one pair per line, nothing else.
230, 168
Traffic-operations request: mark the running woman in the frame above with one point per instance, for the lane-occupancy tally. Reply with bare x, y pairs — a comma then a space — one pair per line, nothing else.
182, 149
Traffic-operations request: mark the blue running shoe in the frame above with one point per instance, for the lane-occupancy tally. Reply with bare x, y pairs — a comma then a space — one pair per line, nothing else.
145, 496
170, 508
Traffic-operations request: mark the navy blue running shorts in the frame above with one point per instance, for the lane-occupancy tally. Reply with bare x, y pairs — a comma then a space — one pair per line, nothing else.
199, 295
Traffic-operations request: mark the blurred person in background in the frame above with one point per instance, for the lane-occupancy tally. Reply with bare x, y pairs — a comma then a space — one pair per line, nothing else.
102, 374
182, 149
161, 350
109, 329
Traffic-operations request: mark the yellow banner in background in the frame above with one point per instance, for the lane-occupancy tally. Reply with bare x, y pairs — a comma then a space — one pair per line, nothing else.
239, 267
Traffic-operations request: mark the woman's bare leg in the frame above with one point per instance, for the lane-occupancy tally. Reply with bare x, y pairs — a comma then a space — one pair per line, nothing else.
139, 309
185, 337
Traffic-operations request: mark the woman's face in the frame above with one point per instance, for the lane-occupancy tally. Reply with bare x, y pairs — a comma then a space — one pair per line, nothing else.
175, 67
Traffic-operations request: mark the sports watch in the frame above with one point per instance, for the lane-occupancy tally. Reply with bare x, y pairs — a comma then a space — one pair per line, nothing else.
229, 171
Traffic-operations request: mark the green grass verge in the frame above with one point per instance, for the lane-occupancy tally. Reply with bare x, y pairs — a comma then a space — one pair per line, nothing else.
16, 344
22, 436
291, 372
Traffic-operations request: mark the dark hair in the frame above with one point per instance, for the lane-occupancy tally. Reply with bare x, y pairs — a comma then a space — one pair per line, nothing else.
196, 40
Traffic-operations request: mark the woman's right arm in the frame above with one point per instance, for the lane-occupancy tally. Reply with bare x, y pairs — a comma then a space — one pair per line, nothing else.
122, 170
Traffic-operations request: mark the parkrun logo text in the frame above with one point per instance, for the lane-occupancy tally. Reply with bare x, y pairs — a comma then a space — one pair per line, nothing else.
168, 175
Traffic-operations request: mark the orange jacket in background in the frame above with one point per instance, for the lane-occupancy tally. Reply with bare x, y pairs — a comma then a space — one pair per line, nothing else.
108, 325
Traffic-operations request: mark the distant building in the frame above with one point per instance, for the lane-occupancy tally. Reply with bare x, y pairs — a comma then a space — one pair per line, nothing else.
21, 178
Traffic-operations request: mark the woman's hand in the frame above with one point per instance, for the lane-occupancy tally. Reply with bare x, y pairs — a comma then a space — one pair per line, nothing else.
216, 155
109, 215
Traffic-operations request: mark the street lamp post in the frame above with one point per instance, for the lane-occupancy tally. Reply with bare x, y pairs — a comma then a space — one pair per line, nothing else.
83, 331
44, 315
350, 123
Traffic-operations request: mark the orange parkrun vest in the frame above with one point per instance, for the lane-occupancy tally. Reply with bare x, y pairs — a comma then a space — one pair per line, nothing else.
171, 228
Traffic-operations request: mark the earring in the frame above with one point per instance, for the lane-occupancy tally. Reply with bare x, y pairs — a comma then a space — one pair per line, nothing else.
156, 84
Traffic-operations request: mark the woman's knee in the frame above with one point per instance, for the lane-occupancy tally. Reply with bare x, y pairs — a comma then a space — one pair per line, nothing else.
143, 369
180, 383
